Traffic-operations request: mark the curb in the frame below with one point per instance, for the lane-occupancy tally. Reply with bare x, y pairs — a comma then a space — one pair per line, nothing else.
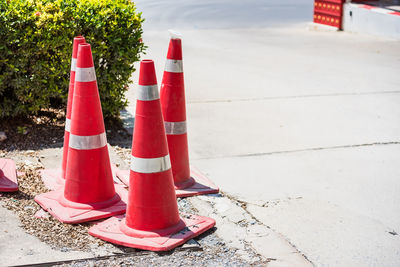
361, 18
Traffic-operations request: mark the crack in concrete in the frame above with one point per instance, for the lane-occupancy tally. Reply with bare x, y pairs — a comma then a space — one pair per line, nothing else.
288, 97
303, 150
247, 246
243, 204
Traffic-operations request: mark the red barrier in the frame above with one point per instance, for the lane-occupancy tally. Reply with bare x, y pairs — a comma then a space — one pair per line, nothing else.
328, 12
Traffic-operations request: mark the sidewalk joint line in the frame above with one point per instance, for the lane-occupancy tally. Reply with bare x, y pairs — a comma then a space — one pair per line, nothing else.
303, 150
288, 97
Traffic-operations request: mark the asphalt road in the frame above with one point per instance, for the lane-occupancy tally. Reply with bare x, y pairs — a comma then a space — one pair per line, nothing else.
301, 124
223, 14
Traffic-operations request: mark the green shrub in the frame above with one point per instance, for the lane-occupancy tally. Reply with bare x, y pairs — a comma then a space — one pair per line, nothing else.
36, 45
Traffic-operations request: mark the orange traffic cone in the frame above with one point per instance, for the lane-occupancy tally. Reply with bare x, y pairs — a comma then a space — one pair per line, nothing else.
8, 176
89, 192
55, 178
188, 180
152, 220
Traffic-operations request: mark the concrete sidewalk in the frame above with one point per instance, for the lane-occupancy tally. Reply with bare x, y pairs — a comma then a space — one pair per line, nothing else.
300, 126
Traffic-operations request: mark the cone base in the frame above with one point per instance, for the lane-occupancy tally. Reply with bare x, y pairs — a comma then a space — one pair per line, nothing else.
123, 176
50, 202
185, 184
202, 185
52, 177
114, 170
41, 214
157, 233
109, 230
8, 176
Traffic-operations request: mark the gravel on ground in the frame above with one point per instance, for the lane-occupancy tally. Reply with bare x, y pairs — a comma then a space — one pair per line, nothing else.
46, 130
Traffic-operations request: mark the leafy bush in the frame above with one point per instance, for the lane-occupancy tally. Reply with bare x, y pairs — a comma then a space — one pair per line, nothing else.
36, 45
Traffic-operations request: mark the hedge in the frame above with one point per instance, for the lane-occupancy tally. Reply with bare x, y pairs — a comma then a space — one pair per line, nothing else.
36, 45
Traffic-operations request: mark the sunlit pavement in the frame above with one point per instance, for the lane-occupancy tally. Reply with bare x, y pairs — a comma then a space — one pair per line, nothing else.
301, 124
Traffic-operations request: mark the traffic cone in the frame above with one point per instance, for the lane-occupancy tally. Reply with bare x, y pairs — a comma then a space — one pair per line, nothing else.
55, 178
8, 176
152, 221
89, 192
188, 180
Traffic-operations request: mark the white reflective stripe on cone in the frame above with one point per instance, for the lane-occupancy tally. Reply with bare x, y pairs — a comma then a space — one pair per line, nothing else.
173, 65
68, 125
85, 74
147, 92
152, 165
178, 127
87, 142
73, 64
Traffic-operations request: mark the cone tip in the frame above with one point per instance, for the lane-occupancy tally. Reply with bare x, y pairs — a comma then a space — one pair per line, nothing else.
147, 73
84, 45
79, 37
147, 61
175, 34
77, 40
85, 59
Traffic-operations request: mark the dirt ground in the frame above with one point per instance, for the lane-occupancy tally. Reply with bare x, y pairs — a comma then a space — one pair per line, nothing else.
25, 138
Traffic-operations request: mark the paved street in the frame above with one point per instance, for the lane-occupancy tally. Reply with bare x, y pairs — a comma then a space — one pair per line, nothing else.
301, 125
